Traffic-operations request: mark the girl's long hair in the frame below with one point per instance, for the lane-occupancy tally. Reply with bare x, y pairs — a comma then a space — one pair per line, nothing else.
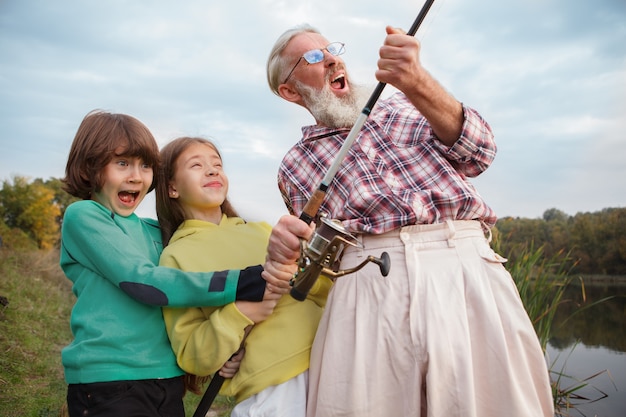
169, 211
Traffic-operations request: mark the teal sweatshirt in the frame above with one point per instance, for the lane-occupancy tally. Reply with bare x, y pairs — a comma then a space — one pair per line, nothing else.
117, 323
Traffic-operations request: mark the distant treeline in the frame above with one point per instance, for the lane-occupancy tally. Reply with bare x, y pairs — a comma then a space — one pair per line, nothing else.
594, 242
32, 211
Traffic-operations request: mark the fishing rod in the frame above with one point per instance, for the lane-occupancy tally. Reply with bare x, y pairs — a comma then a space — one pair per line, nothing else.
209, 395
216, 383
316, 258
315, 202
330, 238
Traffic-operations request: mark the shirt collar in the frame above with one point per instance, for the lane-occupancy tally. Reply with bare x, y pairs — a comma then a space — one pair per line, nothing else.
316, 132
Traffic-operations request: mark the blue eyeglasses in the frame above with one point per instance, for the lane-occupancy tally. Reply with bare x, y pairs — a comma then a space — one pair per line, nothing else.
317, 55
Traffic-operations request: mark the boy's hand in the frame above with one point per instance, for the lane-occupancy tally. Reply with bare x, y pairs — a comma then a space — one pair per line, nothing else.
278, 275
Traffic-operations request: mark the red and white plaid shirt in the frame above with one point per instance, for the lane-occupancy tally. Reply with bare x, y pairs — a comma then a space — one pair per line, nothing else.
397, 173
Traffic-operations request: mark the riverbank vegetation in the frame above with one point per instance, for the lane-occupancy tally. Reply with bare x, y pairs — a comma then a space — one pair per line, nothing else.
545, 256
595, 243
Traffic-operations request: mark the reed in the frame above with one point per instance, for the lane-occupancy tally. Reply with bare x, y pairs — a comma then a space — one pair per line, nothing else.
541, 282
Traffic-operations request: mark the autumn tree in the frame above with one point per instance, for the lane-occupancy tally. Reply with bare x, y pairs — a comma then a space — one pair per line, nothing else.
31, 207
61, 198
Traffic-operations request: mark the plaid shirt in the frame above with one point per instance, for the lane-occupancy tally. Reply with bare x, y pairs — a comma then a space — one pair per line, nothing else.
397, 173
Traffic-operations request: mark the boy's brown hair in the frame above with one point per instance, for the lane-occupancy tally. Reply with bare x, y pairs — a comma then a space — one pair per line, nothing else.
99, 138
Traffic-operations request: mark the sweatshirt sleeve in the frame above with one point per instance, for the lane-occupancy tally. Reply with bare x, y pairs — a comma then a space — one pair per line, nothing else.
203, 340
92, 243
319, 291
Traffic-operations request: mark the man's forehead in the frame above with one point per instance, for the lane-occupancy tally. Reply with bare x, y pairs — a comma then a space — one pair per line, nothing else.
305, 42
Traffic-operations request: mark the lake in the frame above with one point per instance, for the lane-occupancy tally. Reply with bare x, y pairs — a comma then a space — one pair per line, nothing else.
591, 345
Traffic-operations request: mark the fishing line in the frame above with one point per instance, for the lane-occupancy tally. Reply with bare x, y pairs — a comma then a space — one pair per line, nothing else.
428, 23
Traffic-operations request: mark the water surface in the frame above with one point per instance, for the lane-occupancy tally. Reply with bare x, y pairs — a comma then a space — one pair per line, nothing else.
592, 342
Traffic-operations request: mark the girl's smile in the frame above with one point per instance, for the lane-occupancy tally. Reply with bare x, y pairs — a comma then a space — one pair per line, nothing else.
199, 183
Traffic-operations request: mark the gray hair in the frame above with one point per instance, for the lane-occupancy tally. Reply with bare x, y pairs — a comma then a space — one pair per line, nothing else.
276, 63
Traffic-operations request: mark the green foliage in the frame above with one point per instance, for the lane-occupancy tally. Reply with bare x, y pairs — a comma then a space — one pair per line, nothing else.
31, 208
566, 390
595, 242
15, 238
541, 282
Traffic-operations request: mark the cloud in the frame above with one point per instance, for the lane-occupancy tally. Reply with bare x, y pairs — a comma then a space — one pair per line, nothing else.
549, 76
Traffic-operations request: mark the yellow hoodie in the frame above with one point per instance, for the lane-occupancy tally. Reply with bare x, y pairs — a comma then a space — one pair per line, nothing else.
203, 339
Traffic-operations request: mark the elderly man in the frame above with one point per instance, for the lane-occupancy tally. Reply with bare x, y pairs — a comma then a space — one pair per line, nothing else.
445, 334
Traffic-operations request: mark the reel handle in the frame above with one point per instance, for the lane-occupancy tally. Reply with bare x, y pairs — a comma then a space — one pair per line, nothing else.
384, 263
320, 254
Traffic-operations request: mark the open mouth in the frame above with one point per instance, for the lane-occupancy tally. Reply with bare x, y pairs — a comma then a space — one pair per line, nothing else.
128, 197
338, 82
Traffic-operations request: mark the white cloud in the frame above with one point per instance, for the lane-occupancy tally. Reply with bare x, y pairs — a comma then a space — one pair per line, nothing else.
550, 77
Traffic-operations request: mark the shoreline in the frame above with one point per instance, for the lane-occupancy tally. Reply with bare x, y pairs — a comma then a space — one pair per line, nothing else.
601, 279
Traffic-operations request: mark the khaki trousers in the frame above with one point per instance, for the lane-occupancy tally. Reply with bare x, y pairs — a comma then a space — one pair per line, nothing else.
445, 334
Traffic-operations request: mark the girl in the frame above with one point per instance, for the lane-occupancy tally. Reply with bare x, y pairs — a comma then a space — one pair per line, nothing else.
120, 361
197, 220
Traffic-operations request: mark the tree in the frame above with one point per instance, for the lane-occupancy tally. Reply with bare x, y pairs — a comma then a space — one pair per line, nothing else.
554, 214
596, 241
61, 197
31, 207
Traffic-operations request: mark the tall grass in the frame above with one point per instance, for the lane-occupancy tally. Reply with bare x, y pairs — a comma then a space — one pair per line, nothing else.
541, 283
34, 326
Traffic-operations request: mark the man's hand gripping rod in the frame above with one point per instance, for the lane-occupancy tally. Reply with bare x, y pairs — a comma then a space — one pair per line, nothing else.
314, 259
323, 252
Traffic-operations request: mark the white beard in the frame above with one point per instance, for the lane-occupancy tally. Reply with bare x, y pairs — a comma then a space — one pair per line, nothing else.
330, 110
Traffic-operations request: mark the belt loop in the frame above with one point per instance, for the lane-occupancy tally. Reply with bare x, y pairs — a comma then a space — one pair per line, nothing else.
360, 248
451, 233
488, 229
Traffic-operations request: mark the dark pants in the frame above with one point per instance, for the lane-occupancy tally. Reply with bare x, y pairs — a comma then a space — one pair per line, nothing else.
143, 398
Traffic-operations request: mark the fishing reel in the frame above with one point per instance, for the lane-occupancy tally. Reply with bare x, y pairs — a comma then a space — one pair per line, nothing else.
322, 255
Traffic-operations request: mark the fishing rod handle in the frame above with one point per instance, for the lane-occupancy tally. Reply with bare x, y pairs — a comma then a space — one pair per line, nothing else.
313, 205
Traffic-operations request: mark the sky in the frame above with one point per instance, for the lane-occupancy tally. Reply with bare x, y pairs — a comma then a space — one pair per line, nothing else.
549, 76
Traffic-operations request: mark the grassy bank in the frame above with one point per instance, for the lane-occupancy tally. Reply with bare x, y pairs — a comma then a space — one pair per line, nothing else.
34, 327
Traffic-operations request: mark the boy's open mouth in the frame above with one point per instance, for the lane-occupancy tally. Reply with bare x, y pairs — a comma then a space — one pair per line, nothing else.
128, 197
